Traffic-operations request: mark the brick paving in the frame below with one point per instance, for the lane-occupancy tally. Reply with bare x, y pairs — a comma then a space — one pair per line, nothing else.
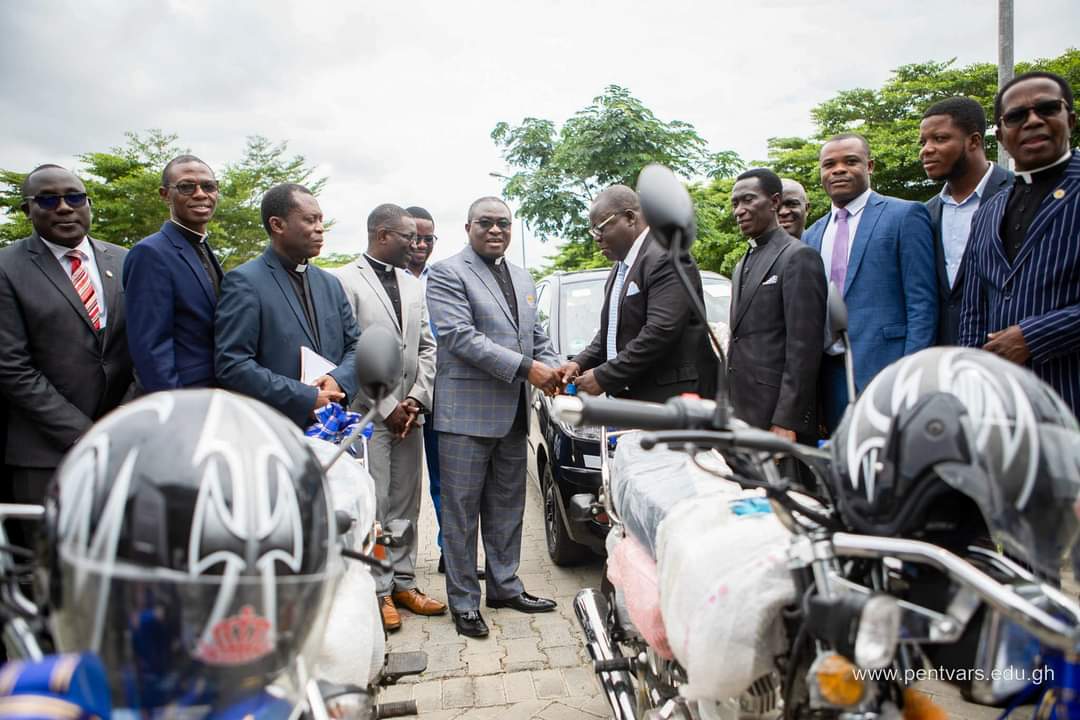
531, 666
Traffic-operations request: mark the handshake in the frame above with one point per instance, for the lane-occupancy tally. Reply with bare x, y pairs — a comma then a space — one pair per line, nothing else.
553, 381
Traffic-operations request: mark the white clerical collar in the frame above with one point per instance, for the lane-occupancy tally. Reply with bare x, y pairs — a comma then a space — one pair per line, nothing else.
499, 260
202, 235
1026, 174
380, 263
60, 251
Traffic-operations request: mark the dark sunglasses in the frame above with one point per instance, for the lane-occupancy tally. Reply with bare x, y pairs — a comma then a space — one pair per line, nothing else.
429, 239
51, 202
486, 224
1018, 116
187, 187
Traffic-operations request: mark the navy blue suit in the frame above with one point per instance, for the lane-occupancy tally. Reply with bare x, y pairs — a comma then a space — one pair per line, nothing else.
890, 289
170, 312
261, 327
951, 297
1039, 290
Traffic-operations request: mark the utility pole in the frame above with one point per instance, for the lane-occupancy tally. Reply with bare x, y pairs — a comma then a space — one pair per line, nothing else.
1005, 60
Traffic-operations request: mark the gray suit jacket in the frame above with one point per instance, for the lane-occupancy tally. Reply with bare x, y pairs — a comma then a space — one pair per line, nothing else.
371, 306
57, 374
478, 381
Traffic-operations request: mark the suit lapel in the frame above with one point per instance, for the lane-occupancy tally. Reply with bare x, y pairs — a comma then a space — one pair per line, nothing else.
376, 286
736, 295
478, 266
769, 253
109, 268
49, 265
871, 215
277, 272
325, 307
405, 290
191, 258
521, 280
1000, 179
1053, 204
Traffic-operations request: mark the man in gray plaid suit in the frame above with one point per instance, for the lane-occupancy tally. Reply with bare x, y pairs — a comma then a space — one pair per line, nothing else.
484, 312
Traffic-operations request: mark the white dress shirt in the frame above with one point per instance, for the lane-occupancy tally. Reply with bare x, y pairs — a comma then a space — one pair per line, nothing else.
956, 223
854, 208
613, 304
90, 263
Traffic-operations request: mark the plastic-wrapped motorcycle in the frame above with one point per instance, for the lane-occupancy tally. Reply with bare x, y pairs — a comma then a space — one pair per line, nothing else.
929, 544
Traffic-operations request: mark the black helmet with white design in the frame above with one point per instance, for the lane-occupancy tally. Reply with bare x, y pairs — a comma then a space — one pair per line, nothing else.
949, 433
192, 548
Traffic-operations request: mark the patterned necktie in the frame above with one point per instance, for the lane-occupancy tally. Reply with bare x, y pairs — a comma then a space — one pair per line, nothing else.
613, 308
80, 278
838, 268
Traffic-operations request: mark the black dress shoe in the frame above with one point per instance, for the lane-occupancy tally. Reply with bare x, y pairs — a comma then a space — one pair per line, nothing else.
471, 624
524, 602
442, 569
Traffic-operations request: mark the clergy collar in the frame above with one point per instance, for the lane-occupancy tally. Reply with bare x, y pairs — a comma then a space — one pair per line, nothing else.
765, 237
497, 262
1028, 175
379, 265
197, 235
289, 265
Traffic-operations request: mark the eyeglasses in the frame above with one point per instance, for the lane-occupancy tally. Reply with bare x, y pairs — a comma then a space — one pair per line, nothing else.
428, 239
51, 202
187, 187
411, 237
485, 224
1044, 109
597, 231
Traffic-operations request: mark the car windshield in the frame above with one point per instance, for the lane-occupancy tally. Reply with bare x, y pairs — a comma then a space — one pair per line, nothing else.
582, 301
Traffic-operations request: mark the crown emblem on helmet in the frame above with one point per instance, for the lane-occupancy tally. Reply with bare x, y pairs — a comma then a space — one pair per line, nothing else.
237, 640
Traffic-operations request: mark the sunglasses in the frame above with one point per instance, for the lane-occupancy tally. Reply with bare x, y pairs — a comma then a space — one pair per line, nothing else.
1045, 109
187, 187
51, 202
486, 224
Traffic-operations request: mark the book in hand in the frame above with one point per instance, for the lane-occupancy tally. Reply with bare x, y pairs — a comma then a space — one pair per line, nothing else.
313, 365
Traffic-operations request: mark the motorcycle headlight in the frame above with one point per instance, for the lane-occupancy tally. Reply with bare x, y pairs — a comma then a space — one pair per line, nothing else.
878, 632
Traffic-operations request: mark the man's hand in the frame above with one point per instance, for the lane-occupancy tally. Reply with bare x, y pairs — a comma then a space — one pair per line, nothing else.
1009, 344
328, 391
569, 371
783, 432
414, 410
547, 379
400, 421
586, 383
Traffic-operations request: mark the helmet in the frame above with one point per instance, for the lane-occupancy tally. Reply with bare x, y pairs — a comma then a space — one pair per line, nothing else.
961, 438
190, 534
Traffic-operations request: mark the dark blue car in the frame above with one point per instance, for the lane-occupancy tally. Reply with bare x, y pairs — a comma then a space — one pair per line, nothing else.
565, 461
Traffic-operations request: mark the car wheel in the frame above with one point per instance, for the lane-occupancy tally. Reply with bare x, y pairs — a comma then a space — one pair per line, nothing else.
560, 547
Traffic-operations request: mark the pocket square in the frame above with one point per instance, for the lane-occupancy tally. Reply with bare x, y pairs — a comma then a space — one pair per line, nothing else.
632, 289
771, 281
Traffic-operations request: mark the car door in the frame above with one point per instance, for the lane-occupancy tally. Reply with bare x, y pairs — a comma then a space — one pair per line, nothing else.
544, 294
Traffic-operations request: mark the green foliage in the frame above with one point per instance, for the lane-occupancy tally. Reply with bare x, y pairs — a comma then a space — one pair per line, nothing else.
123, 186
333, 260
560, 171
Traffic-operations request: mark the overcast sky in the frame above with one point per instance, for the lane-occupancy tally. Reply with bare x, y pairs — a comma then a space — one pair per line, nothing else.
395, 102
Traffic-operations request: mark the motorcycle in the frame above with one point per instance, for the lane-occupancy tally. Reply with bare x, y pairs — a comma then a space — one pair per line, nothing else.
333, 662
911, 547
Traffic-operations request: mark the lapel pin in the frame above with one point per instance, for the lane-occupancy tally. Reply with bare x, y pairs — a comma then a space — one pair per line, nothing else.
108, 273
1059, 193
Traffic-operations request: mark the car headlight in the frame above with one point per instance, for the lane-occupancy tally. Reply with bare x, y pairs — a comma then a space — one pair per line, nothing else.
878, 633
585, 432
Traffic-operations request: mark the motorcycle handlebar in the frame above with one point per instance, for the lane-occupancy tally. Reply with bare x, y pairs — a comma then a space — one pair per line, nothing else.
676, 414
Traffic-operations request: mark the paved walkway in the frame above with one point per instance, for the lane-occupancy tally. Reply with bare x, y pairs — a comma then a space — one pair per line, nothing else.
531, 666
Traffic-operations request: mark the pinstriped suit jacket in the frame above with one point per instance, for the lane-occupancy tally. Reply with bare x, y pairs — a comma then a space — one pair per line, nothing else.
480, 347
1040, 291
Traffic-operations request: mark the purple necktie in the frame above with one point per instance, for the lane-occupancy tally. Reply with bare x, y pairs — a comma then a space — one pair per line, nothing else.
838, 268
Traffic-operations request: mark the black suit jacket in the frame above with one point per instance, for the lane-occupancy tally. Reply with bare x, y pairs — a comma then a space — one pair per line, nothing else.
663, 349
950, 298
777, 326
57, 374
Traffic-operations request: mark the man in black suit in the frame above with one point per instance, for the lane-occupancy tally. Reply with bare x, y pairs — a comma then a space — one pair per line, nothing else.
951, 136
65, 361
650, 346
777, 316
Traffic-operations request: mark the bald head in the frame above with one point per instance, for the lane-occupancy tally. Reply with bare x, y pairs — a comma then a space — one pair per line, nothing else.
616, 221
793, 208
615, 198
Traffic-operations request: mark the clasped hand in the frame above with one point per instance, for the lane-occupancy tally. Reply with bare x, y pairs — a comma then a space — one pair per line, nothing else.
584, 381
547, 379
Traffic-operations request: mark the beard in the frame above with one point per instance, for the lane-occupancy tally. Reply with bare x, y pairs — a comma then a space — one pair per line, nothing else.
959, 168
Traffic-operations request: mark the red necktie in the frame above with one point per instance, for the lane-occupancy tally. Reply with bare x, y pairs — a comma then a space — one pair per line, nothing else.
80, 278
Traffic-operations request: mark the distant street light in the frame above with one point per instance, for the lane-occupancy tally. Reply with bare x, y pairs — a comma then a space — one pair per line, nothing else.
524, 262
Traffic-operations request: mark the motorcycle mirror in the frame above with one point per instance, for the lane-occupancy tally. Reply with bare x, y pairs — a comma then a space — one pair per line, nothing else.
667, 206
837, 313
378, 362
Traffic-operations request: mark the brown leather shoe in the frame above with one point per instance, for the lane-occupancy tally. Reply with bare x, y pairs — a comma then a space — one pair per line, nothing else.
418, 602
391, 620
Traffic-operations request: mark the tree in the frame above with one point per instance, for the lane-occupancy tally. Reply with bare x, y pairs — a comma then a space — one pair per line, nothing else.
560, 171
123, 186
